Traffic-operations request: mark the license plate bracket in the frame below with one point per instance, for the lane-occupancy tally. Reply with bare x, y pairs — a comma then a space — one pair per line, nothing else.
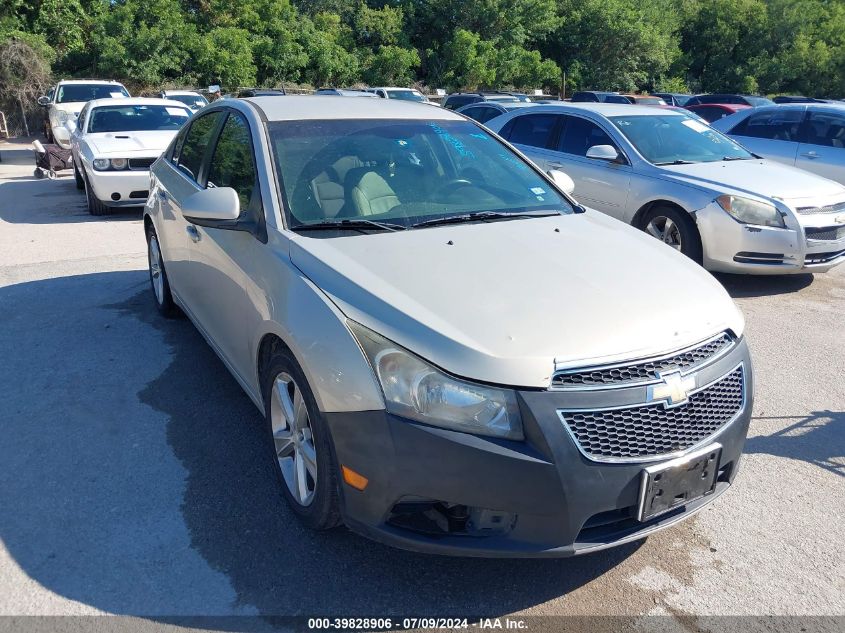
672, 484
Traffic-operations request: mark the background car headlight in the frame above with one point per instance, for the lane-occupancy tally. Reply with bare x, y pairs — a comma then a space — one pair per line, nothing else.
417, 390
118, 163
62, 117
101, 163
751, 211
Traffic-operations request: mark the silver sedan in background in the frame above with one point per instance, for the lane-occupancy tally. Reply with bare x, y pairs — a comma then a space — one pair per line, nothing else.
808, 135
687, 185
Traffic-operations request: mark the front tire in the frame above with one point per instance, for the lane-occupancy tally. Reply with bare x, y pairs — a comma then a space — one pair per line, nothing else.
299, 444
158, 277
80, 184
95, 207
676, 229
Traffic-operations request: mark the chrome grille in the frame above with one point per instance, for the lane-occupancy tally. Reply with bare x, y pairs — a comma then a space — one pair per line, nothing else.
141, 163
644, 432
833, 208
643, 371
825, 233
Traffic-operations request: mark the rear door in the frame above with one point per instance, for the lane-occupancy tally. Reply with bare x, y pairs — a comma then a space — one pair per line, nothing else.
772, 133
822, 146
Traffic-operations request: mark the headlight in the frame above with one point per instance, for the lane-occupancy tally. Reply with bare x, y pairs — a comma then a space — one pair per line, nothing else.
118, 163
751, 211
101, 164
417, 390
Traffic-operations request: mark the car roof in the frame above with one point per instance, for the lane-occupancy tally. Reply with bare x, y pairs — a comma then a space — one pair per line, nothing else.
605, 109
392, 88
89, 81
318, 107
128, 101
727, 106
181, 92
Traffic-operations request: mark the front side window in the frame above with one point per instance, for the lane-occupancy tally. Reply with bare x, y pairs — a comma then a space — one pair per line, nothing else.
137, 118
403, 172
825, 128
776, 124
405, 95
68, 93
579, 135
534, 130
80, 120
673, 139
196, 142
233, 164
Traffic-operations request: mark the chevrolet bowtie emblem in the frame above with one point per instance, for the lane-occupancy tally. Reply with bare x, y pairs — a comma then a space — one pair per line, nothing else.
672, 390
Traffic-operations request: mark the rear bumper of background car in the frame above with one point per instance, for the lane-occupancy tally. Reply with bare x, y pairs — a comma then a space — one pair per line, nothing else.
445, 492
741, 248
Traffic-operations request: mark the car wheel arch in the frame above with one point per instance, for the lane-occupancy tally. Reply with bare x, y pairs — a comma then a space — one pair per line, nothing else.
637, 219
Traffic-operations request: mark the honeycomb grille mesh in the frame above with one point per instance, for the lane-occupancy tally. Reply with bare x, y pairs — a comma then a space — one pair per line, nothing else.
834, 208
827, 233
644, 371
652, 430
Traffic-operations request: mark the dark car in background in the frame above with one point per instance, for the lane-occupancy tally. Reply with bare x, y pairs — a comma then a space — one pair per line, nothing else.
261, 92
729, 99
460, 99
714, 111
594, 96
345, 92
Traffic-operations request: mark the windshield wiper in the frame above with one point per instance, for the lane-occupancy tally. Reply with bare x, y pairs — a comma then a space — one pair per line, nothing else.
677, 162
352, 225
735, 158
478, 216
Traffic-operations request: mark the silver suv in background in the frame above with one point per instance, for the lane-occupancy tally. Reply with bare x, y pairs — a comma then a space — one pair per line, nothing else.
348, 265
807, 135
688, 185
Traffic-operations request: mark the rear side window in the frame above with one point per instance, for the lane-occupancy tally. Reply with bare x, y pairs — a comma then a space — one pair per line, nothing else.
233, 164
482, 114
195, 144
711, 113
534, 130
825, 128
778, 125
579, 135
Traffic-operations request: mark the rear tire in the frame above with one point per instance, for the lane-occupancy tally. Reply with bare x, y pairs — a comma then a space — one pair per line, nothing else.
95, 207
675, 228
159, 283
299, 448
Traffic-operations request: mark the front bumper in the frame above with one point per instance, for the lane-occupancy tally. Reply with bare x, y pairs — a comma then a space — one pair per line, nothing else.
124, 188
551, 500
732, 247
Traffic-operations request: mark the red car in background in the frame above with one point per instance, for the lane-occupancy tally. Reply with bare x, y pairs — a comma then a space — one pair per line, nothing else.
714, 111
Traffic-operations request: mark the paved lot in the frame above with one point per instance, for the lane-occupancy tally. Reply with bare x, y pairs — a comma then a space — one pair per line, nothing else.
128, 482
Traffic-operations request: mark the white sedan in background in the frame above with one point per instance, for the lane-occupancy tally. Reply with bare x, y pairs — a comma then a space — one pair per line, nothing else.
687, 184
114, 143
190, 98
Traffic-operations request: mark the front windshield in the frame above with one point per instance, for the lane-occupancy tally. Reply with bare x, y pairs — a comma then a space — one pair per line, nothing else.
405, 95
664, 140
70, 93
759, 101
192, 101
401, 171
137, 118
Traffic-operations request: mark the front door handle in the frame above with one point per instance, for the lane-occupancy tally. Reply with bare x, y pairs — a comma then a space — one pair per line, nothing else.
555, 165
810, 155
193, 233
162, 194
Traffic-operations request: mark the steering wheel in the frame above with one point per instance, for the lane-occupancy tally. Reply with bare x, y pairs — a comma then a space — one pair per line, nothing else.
453, 185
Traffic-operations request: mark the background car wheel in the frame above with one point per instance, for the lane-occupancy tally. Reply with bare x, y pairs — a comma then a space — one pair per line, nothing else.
158, 277
95, 207
80, 184
674, 228
299, 443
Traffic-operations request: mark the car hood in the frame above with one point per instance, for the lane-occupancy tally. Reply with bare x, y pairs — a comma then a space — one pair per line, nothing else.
70, 106
756, 177
133, 143
505, 302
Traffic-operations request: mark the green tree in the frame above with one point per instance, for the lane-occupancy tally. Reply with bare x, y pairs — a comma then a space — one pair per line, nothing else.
469, 62
223, 56
391, 66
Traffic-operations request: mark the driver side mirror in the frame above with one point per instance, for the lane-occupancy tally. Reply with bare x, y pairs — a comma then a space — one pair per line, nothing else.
43, 101
211, 206
603, 152
562, 180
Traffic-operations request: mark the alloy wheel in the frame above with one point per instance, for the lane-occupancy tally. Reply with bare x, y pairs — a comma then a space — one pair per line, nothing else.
293, 439
666, 231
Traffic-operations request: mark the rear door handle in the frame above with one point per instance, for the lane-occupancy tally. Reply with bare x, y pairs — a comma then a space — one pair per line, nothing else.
193, 233
810, 155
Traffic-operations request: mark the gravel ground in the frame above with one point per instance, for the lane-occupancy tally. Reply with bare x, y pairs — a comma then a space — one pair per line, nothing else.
128, 483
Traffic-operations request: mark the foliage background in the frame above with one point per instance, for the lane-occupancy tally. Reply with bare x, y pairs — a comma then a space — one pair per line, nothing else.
766, 46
